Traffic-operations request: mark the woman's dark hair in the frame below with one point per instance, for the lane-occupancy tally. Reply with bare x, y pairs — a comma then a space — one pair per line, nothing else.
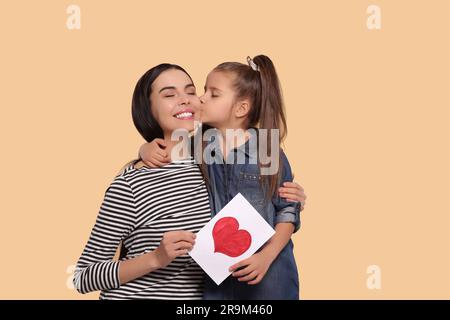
262, 87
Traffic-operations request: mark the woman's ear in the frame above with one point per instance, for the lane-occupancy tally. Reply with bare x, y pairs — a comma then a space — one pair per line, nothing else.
242, 108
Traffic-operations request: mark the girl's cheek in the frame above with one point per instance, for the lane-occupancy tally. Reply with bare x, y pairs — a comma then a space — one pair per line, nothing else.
205, 116
206, 109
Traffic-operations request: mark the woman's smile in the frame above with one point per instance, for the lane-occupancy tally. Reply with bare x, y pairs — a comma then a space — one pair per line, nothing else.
185, 114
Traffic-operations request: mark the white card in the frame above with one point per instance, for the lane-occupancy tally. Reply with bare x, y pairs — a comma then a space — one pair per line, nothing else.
233, 235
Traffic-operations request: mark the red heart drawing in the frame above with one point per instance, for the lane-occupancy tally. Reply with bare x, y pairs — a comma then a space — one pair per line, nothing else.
228, 239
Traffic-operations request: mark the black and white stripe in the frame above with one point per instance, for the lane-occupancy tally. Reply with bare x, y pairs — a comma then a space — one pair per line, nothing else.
139, 206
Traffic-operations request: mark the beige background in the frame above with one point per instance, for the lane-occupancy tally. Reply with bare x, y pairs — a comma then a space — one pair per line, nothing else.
368, 115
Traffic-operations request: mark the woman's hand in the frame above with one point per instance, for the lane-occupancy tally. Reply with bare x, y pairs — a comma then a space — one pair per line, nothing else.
153, 153
293, 192
172, 245
254, 268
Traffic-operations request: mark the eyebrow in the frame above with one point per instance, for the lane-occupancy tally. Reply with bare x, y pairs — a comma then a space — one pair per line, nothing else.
212, 88
172, 87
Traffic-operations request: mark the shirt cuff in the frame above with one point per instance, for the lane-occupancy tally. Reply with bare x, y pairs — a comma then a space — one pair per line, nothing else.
98, 276
289, 215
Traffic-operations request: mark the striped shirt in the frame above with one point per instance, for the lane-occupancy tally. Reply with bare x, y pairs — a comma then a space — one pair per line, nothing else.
140, 205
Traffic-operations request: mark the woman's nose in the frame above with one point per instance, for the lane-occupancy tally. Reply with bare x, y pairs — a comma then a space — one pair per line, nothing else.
202, 99
184, 100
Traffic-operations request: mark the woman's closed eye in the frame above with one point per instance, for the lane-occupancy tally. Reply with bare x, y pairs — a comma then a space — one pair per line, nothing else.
169, 93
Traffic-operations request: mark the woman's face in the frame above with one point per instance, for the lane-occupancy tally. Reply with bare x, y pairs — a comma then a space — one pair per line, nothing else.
217, 102
174, 101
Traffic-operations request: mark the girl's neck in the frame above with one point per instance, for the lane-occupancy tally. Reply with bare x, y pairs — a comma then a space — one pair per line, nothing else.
236, 138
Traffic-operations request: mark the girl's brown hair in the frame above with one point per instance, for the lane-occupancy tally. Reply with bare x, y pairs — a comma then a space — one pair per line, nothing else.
260, 84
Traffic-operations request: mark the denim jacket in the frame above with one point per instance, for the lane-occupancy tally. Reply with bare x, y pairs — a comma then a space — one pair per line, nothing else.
225, 182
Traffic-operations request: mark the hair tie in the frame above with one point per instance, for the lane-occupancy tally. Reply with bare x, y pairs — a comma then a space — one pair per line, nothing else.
252, 64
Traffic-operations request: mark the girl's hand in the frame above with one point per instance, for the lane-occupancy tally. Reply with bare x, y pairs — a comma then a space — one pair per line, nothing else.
255, 268
153, 153
293, 192
172, 245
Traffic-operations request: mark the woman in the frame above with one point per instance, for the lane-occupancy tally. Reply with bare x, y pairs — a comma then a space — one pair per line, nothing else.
154, 212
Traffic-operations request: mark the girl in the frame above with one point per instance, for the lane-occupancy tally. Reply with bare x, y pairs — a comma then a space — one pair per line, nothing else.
239, 96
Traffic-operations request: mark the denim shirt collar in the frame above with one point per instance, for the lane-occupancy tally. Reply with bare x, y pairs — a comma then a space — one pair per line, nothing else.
249, 149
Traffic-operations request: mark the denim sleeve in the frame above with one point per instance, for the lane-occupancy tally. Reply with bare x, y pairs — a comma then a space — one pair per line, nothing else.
286, 211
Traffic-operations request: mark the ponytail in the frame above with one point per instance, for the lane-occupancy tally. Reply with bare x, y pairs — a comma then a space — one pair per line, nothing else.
272, 115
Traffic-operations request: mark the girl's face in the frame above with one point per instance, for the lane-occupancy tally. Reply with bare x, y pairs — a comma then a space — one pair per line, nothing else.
218, 100
174, 101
